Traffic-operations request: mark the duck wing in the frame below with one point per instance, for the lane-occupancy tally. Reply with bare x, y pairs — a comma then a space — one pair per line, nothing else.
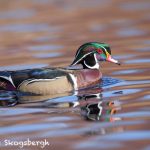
40, 79
36, 74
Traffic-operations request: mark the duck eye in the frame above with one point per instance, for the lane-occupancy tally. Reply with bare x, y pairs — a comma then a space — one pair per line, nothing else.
99, 51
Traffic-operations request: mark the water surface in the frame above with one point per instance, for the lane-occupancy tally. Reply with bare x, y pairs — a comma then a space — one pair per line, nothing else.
115, 114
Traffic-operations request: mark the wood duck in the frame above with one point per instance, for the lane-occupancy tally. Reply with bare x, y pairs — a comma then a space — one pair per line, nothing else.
47, 81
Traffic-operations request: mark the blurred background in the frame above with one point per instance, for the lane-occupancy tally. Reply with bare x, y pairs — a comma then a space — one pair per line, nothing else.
40, 33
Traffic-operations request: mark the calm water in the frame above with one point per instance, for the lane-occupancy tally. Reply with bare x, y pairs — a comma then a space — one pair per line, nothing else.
113, 115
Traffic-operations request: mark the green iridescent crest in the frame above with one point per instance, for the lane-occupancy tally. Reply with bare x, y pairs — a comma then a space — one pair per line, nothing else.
89, 48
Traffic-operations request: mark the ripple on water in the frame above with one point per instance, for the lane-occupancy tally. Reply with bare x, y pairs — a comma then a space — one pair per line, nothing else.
23, 66
8, 98
108, 81
133, 114
133, 6
124, 92
127, 136
66, 127
47, 55
41, 2
122, 22
138, 61
145, 49
127, 72
45, 38
71, 98
136, 82
41, 27
18, 111
104, 135
97, 27
146, 42
102, 145
146, 97
128, 32
60, 118
69, 6
31, 127
17, 14
45, 47
124, 56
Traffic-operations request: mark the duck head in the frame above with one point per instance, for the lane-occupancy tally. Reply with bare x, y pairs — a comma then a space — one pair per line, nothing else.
89, 55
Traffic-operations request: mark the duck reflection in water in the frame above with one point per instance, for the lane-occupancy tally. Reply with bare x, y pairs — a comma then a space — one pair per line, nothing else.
91, 107
8, 98
101, 111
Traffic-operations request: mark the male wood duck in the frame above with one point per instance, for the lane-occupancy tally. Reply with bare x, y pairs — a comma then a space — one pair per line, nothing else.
47, 81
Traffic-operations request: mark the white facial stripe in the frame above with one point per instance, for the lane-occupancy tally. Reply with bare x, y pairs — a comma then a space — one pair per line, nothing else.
95, 58
74, 79
105, 50
82, 58
79, 50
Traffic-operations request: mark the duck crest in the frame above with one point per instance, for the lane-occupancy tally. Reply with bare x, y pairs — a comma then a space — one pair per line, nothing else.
83, 51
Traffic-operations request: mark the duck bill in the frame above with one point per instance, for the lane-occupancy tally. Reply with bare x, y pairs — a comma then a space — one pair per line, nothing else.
110, 59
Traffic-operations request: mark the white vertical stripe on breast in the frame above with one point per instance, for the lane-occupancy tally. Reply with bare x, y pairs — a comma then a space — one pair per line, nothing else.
74, 79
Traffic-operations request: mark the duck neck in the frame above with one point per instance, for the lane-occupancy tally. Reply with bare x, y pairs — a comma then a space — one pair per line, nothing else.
90, 62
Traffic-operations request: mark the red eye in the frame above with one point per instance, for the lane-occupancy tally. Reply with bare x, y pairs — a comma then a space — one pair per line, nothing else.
99, 51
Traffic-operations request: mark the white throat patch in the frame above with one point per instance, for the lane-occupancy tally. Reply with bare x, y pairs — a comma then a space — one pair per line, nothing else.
96, 66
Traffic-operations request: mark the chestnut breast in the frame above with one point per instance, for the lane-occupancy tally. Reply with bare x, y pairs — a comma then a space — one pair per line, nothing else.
87, 77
